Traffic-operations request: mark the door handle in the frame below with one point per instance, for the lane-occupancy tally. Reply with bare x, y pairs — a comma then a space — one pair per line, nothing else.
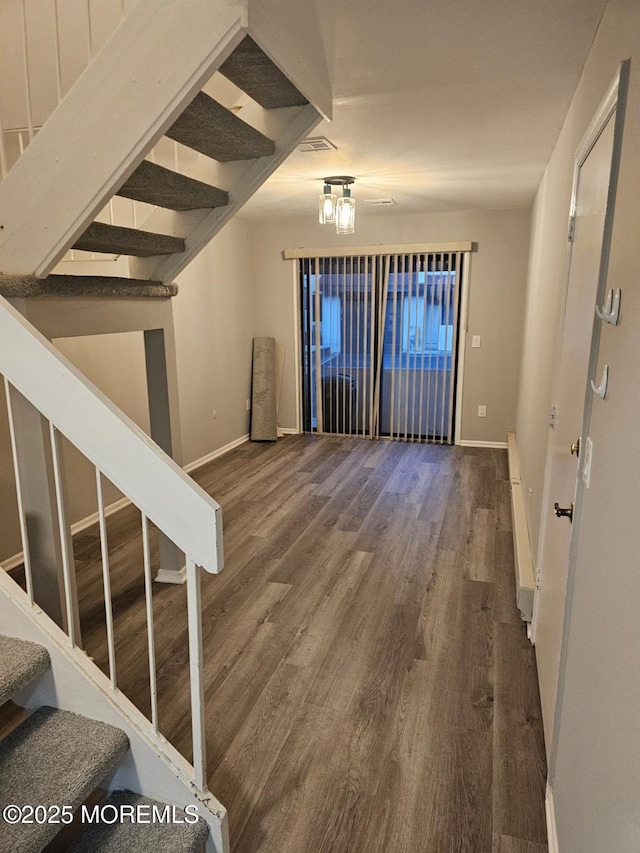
564, 512
575, 448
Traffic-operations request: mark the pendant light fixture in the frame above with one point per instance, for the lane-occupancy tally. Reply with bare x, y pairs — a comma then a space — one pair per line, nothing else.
327, 204
341, 211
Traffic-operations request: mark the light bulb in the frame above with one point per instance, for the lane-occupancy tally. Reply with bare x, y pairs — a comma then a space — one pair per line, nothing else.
346, 214
327, 206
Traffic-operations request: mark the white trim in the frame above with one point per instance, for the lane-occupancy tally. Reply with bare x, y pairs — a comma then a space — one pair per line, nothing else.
198, 463
84, 523
288, 431
598, 123
463, 321
378, 249
524, 570
552, 830
297, 343
500, 445
76, 527
13, 562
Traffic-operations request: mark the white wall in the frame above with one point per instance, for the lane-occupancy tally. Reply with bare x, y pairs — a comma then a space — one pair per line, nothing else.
496, 304
596, 751
214, 315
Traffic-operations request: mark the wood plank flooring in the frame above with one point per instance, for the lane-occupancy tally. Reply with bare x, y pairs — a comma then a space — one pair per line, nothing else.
368, 681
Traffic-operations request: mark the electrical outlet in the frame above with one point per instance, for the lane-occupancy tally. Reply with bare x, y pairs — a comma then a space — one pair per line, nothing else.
482, 411
247, 404
475, 341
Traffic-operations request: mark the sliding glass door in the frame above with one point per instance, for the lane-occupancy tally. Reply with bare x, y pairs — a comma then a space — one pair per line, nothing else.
379, 337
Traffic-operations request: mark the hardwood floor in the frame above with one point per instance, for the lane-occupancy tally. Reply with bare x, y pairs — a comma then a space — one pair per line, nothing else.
368, 680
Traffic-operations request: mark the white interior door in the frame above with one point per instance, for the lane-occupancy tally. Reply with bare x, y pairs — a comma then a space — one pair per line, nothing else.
590, 200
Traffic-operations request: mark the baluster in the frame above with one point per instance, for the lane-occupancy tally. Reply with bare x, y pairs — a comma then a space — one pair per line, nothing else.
4, 166
27, 71
106, 578
148, 591
66, 544
58, 52
21, 513
89, 32
194, 609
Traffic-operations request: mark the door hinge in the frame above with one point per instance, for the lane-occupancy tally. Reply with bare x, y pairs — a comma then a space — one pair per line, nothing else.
572, 229
538, 577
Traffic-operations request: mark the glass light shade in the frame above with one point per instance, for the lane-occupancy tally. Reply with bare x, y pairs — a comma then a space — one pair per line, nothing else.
327, 207
346, 214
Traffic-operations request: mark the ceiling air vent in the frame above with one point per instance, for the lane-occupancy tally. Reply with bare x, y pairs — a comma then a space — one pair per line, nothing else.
318, 143
381, 202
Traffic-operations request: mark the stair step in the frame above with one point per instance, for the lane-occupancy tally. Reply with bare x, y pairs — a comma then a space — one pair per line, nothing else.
115, 240
155, 836
156, 185
208, 127
54, 758
20, 663
97, 286
253, 72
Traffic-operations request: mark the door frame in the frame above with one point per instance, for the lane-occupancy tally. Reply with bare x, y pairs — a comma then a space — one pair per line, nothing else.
464, 248
614, 100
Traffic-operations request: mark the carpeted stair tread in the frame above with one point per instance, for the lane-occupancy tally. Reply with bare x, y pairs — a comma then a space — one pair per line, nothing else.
156, 185
20, 663
208, 127
98, 286
253, 72
155, 836
116, 240
53, 758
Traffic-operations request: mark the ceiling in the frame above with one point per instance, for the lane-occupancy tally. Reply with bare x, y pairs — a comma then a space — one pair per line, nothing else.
438, 104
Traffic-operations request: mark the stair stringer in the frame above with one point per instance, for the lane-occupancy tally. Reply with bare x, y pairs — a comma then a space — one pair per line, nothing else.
138, 84
243, 179
152, 767
150, 69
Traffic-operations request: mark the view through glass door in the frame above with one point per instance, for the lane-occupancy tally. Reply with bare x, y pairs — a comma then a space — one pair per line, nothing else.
379, 343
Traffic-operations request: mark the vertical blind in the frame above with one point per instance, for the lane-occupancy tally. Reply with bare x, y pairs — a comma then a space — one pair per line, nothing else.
379, 335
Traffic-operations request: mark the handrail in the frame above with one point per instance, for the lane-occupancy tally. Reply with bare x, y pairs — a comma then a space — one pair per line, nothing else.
110, 440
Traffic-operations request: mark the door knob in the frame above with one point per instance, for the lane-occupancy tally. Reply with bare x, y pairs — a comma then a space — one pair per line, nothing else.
575, 448
564, 512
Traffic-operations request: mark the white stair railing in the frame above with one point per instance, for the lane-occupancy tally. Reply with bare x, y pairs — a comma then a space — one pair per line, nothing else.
127, 457
71, 33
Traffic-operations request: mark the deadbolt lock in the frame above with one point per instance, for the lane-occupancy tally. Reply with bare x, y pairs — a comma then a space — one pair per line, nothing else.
575, 448
564, 512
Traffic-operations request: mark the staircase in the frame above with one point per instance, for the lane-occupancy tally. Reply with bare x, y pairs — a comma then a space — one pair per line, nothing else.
217, 97
55, 760
229, 87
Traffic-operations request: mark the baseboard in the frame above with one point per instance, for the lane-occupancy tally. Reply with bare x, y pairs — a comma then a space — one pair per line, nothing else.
552, 832
13, 562
500, 445
84, 523
287, 431
77, 527
116, 506
215, 454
